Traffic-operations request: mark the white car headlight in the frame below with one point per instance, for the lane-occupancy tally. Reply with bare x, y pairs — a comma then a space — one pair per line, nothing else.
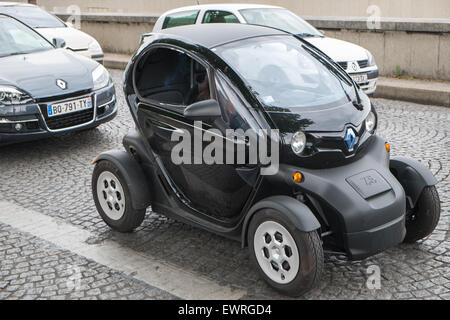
100, 77
371, 59
10, 96
371, 122
298, 142
95, 46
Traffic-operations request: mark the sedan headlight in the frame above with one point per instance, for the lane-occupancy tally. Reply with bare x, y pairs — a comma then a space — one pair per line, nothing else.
100, 76
371, 59
10, 96
95, 46
298, 142
371, 122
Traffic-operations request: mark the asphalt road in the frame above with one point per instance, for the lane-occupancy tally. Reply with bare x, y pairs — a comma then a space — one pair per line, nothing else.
52, 177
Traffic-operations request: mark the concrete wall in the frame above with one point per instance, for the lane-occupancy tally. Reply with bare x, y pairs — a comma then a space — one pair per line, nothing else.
389, 8
415, 47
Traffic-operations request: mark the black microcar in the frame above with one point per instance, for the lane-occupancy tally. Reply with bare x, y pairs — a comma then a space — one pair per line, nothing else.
331, 185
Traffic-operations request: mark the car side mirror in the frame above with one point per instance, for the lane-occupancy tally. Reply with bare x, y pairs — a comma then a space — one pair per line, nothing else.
59, 43
322, 32
203, 110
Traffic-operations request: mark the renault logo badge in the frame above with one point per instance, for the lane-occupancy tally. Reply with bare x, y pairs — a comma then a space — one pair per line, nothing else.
350, 139
62, 84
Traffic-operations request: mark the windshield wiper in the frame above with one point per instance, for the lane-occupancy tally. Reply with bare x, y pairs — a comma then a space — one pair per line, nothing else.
306, 34
24, 52
13, 54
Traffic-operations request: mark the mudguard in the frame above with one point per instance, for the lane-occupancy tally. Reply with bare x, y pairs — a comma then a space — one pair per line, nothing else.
413, 176
293, 210
133, 174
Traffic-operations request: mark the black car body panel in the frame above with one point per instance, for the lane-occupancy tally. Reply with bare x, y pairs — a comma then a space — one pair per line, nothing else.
358, 203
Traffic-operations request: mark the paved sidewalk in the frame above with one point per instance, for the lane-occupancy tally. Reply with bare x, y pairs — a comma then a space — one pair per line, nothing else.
419, 91
32, 268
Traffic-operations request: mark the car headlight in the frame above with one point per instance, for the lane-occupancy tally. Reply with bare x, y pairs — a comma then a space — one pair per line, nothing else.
10, 95
100, 76
95, 46
371, 59
298, 142
371, 122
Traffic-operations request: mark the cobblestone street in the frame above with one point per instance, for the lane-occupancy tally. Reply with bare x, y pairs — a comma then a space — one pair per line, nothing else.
53, 177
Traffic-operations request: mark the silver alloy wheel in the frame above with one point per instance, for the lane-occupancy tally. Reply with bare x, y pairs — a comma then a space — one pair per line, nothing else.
110, 195
276, 252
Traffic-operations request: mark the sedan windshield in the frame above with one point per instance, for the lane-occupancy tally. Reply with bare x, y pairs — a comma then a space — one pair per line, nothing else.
283, 74
281, 19
34, 17
16, 38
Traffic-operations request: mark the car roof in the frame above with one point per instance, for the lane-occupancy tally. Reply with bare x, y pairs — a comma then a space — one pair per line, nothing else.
220, 6
14, 4
215, 34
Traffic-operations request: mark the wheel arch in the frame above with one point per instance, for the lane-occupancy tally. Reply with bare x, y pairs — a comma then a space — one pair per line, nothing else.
133, 174
293, 210
413, 176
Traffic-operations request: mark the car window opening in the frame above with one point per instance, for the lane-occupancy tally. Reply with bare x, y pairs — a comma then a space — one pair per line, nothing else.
172, 78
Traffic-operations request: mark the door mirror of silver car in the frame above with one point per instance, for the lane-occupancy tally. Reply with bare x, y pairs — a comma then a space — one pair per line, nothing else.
203, 110
59, 43
322, 32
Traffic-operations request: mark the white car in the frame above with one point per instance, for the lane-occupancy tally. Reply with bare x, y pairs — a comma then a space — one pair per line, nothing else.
357, 61
52, 27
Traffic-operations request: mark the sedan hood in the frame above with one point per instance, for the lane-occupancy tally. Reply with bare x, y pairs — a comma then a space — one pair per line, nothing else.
75, 39
320, 119
339, 50
37, 73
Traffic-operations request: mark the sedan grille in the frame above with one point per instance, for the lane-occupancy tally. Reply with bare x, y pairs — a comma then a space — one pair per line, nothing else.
343, 64
363, 63
67, 120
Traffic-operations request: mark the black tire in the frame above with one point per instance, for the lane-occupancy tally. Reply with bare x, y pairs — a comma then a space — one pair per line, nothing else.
310, 253
423, 219
131, 217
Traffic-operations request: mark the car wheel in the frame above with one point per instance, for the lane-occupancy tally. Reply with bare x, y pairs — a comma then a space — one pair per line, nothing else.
113, 199
290, 260
423, 219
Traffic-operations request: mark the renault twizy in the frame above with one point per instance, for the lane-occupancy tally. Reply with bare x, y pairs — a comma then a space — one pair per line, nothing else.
330, 184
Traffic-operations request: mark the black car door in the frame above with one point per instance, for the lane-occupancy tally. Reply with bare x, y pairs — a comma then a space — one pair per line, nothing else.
219, 190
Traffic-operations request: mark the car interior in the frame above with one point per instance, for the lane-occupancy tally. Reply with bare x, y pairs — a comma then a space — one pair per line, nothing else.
170, 77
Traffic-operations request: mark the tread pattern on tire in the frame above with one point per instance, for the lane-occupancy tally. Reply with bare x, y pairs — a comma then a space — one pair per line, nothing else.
413, 232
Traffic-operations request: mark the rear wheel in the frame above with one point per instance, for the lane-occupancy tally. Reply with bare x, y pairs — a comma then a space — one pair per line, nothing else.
423, 219
291, 261
113, 199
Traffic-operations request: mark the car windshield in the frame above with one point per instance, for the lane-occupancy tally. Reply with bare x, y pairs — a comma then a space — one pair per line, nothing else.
284, 74
34, 17
16, 38
281, 19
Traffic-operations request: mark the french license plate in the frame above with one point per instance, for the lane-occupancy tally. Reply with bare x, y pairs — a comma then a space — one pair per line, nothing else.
360, 78
66, 107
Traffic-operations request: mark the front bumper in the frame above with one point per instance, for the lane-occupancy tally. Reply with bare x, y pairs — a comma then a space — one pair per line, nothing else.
363, 204
29, 122
370, 85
